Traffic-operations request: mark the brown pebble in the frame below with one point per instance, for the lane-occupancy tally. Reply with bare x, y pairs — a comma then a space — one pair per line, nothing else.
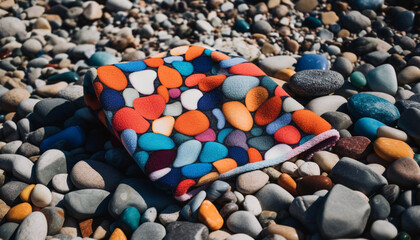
10, 100
356, 147
310, 184
285, 231
328, 18
343, 33
405, 172
86, 227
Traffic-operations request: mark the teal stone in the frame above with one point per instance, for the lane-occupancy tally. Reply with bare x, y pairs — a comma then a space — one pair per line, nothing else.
367, 105
180, 138
184, 68
183, 88
214, 69
129, 219
190, 210
102, 58
213, 151
196, 170
241, 26
262, 143
402, 236
305, 139
383, 79
417, 158
269, 84
155, 141
141, 159
368, 4
358, 80
68, 77
236, 87
367, 127
188, 153
312, 22
208, 51
223, 134
256, 131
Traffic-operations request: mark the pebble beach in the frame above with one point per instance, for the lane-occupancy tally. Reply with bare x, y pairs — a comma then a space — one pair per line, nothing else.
355, 63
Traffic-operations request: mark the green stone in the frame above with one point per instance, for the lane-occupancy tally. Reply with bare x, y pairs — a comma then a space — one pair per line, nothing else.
129, 219
403, 236
101, 59
64, 77
241, 26
179, 138
358, 80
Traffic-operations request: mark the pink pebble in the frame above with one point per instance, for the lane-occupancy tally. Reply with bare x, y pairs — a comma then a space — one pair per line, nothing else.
207, 136
174, 92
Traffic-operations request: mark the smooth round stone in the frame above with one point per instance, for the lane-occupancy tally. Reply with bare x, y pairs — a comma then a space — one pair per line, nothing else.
238, 115
235, 138
369, 4
190, 210
129, 219
189, 99
321, 105
209, 215
62, 183
367, 105
55, 219
53, 111
73, 136
196, 170
86, 203
11, 99
410, 220
252, 205
272, 65
154, 141
355, 21
391, 149
309, 169
312, 22
408, 120
49, 164
389, 132
244, 222
358, 79
290, 168
33, 227
241, 26
7, 230
213, 151
383, 230
367, 127
101, 59
41, 196
383, 79
180, 229
184, 68
314, 83
341, 64
404, 20
338, 120
10, 192
236, 87
291, 105
274, 198
277, 151
262, 27
68, 77
10, 26
217, 189
404, 171
188, 153
31, 47
251, 182
149, 231
409, 75
149, 215
382, 95
312, 61
18, 213
326, 160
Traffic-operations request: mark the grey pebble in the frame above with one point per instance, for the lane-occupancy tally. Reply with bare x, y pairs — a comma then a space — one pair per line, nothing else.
20, 166
49, 164
10, 191
87, 203
149, 231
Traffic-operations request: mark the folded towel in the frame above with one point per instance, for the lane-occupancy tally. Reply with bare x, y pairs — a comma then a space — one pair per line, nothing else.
193, 115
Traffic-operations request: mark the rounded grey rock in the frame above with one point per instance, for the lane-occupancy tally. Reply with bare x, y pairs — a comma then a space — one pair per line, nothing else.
10, 192
87, 203
20, 166
34, 226
10, 26
315, 83
149, 231
49, 164
244, 222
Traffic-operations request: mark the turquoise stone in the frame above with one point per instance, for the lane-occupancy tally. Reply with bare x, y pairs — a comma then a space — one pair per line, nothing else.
101, 59
180, 138
241, 26
269, 84
305, 139
208, 51
184, 68
129, 219
223, 134
132, 66
196, 170
312, 22
256, 131
64, 77
141, 159
367, 127
213, 151
155, 141
358, 80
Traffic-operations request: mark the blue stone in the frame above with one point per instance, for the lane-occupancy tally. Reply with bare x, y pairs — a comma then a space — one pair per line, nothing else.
256, 131
221, 120
184, 68
66, 77
132, 66
227, 63
239, 154
236, 87
129, 219
305, 139
74, 137
141, 159
202, 64
129, 140
208, 51
209, 100
280, 122
188, 153
190, 210
155, 141
102, 58
223, 134
404, 20
312, 22
173, 58
170, 180
367, 127
179, 138
196, 170
213, 151
367, 105
262, 143
368, 4
269, 84
312, 61
111, 100
217, 189
241, 26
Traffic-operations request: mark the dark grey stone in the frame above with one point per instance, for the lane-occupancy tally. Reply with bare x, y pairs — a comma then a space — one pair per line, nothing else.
53, 111
380, 208
410, 220
87, 203
315, 83
338, 120
10, 191
7, 230
186, 231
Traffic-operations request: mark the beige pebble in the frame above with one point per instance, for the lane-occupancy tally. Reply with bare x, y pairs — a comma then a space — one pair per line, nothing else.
290, 168
51, 90
101, 230
41, 196
377, 168
390, 132
309, 169
70, 227
326, 160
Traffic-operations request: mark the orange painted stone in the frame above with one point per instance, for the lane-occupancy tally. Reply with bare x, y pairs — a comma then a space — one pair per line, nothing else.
193, 52
218, 56
310, 122
225, 165
284, 74
169, 77
248, 69
192, 123
25, 195
113, 77
209, 83
255, 97
286, 181
209, 177
86, 227
154, 62
288, 135
194, 79
237, 115
118, 234
150, 107
254, 155
19, 212
163, 92
179, 50
208, 215
268, 111
280, 92
391, 149
129, 118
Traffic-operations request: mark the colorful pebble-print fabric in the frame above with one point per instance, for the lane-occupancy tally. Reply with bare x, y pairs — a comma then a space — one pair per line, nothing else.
194, 115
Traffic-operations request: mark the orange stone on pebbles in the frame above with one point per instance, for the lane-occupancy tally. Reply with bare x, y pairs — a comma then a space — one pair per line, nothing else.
208, 215
288, 135
254, 155
209, 177
246, 68
113, 77
286, 181
255, 97
237, 115
154, 62
192, 123
218, 56
225, 165
19, 212
118, 234
310, 122
391, 149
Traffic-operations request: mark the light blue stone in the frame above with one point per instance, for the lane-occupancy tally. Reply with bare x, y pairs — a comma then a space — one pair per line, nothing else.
133, 66
155, 141
180, 138
305, 139
368, 4
208, 51
129, 219
196, 170
173, 58
262, 143
223, 134
188, 153
280, 122
213, 151
218, 114
312, 61
184, 68
256, 131
227, 63
102, 58
129, 140
367, 127
217, 189
141, 159
190, 210
236, 87
383, 79
74, 136
269, 84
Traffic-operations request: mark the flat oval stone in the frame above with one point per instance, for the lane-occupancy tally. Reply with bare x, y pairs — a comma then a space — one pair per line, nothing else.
255, 97
315, 83
268, 111
185, 68
244, 222
188, 153
310, 184
213, 151
389, 132
33, 227
321, 105
143, 81
262, 143
288, 135
132, 66
192, 123
102, 58
155, 141
251, 182
367, 127
111, 100
163, 125
66, 77
391, 149
210, 100
291, 105
316, 125
196, 170
383, 79
189, 99
312, 61
169, 77
367, 105
237, 87
404, 171
173, 109
238, 115
277, 151
210, 216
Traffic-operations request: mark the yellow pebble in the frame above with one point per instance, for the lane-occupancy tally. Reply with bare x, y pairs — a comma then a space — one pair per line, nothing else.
118, 234
19, 212
25, 195
391, 149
